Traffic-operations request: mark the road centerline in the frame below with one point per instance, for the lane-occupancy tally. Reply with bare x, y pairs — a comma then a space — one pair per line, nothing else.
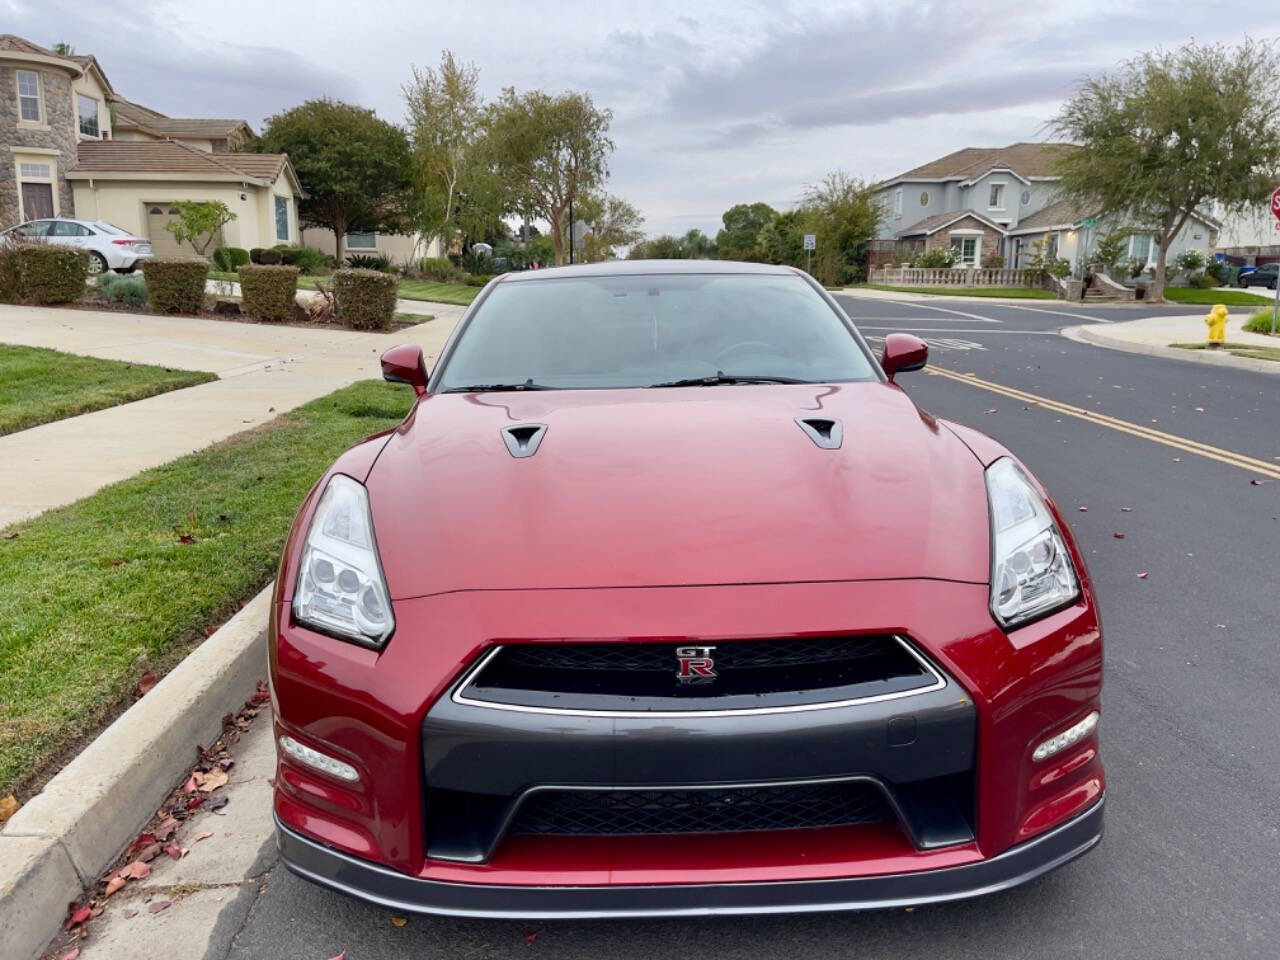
1205, 450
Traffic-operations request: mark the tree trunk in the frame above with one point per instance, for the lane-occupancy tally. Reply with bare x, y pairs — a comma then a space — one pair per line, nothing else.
339, 231
557, 240
1155, 291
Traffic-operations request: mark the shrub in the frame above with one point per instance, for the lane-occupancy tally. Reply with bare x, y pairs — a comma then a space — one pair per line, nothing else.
368, 261
130, 290
1059, 268
307, 259
934, 257
264, 256
477, 279
366, 298
268, 292
177, 285
1190, 261
1205, 281
1220, 271
992, 261
41, 273
1259, 322
230, 259
440, 269
479, 263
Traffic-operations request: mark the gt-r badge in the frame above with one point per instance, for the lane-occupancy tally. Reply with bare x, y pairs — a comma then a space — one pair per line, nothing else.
696, 665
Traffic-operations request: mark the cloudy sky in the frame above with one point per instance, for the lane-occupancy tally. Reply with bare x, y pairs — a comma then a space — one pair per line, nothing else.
714, 103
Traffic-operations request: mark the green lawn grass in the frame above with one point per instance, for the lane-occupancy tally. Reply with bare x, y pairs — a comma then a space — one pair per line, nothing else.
38, 385
1248, 350
1021, 293
1260, 321
1229, 298
99, 591
459, 294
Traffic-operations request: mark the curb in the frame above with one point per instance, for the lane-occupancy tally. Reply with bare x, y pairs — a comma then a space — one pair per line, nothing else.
57, 845
1100, 336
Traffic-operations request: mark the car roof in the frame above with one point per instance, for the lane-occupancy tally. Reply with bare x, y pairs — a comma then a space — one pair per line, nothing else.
634, 268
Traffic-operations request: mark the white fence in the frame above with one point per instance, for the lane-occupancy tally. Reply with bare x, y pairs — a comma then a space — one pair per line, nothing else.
953, 277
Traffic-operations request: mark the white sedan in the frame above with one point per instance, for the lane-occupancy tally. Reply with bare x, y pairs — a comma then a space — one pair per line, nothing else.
110, 248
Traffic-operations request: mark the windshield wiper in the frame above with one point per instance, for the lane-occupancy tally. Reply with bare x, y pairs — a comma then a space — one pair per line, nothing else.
499, 387
720, 378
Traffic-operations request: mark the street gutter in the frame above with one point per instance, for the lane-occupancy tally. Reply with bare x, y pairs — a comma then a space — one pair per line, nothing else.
1112, 337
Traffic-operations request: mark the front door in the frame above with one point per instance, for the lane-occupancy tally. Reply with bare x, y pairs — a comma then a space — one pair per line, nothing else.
37, 200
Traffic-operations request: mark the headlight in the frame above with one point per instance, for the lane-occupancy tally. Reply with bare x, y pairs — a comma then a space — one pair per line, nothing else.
1031, 571
340, 588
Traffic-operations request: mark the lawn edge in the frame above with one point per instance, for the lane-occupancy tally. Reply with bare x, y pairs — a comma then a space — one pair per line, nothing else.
77, 825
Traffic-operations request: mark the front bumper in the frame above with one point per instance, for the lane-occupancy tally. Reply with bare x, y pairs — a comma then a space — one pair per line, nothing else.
393, 890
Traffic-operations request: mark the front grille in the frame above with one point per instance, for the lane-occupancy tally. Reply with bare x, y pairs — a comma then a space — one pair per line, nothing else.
707, 810
645, 675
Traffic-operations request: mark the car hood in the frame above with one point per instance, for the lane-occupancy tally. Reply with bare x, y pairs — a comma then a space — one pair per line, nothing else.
699, 485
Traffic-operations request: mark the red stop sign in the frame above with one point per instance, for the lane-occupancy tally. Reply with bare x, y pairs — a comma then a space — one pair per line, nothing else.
1275, 203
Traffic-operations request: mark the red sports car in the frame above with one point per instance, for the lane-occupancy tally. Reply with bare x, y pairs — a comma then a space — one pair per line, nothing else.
665, 599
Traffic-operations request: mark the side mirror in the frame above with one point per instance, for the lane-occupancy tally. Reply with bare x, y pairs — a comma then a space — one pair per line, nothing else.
405, 364
902, 353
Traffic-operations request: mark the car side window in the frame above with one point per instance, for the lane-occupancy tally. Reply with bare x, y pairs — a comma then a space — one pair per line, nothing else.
65, 228
36, 228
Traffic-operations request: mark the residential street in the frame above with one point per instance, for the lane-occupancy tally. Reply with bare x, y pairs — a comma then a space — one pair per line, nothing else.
1188, 866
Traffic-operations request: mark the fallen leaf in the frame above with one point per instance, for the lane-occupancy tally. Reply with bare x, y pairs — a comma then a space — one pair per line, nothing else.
530, 937
218, 802
149, 852
260, 696
191, 786
1142, 575
130, 914
12, 535
341, 956
186, 538
159, 905
8, 807
138, 870
70, 954
144, 685
80, 915
226, 763
194, 802
211, 781
398, 921
1118, 536
173, 850
166, 828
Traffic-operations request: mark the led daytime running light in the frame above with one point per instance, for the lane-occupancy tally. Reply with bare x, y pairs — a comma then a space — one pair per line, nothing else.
320, 761
1067, 738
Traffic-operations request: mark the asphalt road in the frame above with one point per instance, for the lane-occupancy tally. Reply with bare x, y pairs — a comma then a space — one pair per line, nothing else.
1190, 866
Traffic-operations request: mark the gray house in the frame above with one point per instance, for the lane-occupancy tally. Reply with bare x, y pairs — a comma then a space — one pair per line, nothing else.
989, 202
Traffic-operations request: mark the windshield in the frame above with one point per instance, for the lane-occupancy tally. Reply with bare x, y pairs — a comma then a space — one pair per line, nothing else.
640, 331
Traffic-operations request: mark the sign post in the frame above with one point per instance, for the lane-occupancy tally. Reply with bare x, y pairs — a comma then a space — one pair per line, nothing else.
811, 244
1275, 309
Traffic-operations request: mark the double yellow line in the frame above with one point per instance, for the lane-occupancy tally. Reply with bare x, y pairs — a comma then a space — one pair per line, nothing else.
1252, 464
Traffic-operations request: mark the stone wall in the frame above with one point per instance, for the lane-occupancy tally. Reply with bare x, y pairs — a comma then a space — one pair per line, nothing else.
59, 108
991, 240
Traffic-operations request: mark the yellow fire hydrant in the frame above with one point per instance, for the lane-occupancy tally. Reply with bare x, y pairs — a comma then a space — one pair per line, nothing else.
1217, 323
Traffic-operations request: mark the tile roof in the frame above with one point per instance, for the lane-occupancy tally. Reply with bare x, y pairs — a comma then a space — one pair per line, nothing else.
1055, 214
930, 224
9, 41
184, 126
168, 156
1025, 159
128, 111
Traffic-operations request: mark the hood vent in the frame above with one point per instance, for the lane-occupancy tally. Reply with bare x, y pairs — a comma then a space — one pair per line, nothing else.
825, 432
523, 440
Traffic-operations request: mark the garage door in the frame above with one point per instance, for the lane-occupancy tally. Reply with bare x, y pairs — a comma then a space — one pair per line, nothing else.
162, 242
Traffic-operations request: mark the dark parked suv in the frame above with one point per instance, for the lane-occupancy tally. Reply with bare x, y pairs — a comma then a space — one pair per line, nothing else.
1264, 276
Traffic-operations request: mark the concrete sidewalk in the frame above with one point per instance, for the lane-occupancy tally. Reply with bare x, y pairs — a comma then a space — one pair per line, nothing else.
264, 370
866, 293
1153, 336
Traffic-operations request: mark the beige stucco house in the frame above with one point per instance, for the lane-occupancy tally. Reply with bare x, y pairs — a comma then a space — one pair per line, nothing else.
79, 149
399, 248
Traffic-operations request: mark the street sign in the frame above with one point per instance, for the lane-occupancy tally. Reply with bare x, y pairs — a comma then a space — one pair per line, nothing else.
1089, 222
811, 239
1275, 203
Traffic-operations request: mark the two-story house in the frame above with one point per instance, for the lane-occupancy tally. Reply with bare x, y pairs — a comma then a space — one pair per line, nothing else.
79, 149
989, 202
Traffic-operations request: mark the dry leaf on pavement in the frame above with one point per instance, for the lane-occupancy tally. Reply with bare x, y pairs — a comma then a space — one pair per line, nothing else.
203, 835
114, 884
341, 956
159, 905
79, 915
211, 781
144, 685
398, 921
70, 954
135, 871
8, 807
173, 850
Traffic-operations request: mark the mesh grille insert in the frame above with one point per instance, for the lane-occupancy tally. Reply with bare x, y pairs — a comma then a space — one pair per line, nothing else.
708, 810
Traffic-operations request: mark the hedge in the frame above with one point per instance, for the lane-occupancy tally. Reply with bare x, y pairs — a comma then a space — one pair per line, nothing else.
265, 256
176, 286
267, 292
42, 273
230, 259
366, 298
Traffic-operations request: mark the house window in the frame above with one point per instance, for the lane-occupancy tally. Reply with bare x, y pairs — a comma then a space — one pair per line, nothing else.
966, 250
924, 198
1053, 247
87, 112
362, 240
35, 171
1140, 247
29, 107
282, 218
996, 200
35, 190
1026, 197
897, 202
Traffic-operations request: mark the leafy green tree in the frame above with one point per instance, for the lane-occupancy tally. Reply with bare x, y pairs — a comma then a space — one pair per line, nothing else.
739, 239
199, 222
450, 169
551, 151
613, 222
842, 212
1171, 131
355, 168
1111, 253
782, 239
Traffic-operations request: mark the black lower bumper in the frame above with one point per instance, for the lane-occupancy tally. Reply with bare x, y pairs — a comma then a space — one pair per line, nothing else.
394, 890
